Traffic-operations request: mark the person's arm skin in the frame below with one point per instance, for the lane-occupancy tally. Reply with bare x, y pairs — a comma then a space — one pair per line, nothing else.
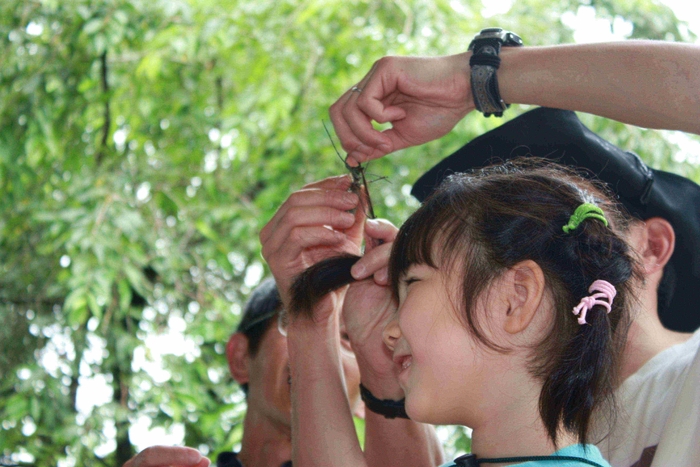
322, 425
367, 308
168, 456
645, 83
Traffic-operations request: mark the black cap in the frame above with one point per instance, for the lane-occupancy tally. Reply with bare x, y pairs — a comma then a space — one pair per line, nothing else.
560, 136
263, 303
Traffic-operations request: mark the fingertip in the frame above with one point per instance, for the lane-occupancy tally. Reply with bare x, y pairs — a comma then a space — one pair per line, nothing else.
344, 181
372, 225
354, 158
381, 229
358, 271
381, 277
344, 178
347, 219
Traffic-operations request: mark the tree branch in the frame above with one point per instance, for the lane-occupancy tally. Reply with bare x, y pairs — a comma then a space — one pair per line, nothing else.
107, 116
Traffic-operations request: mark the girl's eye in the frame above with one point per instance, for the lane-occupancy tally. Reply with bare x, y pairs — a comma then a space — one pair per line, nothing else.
409, 280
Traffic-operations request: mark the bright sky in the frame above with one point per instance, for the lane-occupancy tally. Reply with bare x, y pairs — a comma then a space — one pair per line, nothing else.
95, 390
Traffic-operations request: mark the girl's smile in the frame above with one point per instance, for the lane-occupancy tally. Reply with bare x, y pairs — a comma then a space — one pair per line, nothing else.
403, 362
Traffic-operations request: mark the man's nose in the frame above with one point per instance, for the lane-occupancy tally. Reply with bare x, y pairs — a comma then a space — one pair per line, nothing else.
391, 333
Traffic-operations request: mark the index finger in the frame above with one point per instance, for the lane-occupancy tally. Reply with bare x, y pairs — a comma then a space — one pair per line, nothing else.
372, 262
377, 258
347, 137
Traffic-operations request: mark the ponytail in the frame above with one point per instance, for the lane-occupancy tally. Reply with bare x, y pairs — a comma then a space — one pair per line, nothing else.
583, 376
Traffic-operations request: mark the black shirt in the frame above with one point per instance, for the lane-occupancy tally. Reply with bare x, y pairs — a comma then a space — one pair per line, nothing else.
230, 459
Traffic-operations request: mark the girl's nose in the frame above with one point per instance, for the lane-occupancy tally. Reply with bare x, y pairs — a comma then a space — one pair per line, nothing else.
391, 333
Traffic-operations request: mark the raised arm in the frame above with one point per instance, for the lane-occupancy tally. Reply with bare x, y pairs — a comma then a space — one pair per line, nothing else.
646, 83
322, 425
367, 308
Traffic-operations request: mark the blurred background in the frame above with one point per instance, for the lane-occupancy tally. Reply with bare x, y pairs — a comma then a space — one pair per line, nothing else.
144, 143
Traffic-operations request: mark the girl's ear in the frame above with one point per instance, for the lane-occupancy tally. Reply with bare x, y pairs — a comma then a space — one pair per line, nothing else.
525, 285
237, 356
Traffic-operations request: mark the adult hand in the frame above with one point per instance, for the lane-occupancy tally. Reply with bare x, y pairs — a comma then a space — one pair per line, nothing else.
368, 306
422, 97
311, 225
168, 456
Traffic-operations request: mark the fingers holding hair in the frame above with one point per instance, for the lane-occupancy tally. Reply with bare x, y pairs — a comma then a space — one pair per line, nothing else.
330, 193
375, 260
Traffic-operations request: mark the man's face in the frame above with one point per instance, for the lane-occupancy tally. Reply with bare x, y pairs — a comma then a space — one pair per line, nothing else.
269, 378
268, 372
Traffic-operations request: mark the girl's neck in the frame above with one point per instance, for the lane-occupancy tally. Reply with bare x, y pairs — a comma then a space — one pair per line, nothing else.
515, 429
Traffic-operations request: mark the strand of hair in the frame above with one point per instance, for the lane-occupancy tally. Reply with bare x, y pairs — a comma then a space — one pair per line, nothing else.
312, 285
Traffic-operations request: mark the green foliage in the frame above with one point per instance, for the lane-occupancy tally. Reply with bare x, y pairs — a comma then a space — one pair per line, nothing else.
143, 144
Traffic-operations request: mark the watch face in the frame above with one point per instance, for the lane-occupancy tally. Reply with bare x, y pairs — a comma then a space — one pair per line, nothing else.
506, 38
492, 33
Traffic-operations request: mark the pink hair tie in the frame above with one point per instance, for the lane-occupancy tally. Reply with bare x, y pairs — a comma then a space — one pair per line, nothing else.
605, 290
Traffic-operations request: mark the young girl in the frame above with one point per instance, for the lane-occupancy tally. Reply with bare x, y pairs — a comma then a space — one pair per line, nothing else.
513, 289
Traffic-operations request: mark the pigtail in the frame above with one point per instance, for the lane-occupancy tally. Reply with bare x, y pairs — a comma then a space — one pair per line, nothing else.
583, 377
580, 380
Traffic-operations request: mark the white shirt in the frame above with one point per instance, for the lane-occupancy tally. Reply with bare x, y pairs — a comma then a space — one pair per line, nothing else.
659, 405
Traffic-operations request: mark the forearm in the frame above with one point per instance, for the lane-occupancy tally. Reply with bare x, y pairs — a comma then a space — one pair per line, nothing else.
322, 425
644, 83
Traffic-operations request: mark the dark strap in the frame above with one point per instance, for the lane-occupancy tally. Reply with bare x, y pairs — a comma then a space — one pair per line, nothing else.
470, 460
230, 459
227, 459
387, 407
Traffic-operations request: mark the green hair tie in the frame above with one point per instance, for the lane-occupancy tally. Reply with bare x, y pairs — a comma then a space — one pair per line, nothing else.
583, 212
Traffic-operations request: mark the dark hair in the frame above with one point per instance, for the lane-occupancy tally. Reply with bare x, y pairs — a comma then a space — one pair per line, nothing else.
486, 222
255, 335
259, 314
317, 281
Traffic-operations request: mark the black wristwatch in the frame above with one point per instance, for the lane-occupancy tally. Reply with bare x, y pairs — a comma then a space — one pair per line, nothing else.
387, 407
484, 62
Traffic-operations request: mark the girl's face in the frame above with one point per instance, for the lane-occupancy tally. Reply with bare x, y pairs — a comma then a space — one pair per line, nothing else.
447, 376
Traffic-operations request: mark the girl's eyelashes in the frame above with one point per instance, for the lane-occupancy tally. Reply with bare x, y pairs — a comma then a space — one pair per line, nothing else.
410, 280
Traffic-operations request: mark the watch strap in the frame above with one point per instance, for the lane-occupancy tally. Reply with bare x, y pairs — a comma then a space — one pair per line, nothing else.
484, 63
387, 407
